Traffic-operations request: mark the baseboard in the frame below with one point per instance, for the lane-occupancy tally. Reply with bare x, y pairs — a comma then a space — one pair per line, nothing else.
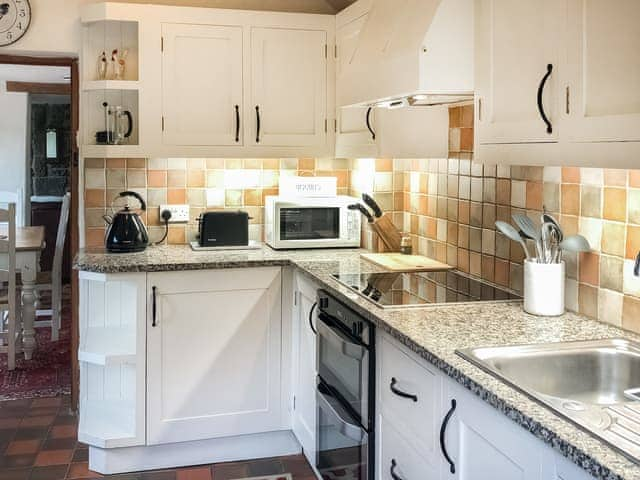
230, 449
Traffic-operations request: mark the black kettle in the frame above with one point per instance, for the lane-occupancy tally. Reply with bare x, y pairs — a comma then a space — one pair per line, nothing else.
126, 232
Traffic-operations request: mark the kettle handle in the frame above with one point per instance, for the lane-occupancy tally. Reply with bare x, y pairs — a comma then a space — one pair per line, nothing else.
130, 129
137, 196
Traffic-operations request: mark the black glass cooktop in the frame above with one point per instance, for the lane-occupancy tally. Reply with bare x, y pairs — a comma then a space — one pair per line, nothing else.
392, 290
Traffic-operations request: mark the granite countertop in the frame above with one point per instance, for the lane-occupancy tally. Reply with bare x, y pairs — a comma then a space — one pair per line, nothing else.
433, 332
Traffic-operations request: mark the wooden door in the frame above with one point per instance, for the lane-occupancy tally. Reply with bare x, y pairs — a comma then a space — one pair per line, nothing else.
305, 369
603, 79
214, 354
515, 44
288, 87
202, 85
483, 443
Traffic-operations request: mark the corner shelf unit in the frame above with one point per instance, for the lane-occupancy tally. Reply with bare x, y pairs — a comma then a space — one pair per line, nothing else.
112, 354
108, 27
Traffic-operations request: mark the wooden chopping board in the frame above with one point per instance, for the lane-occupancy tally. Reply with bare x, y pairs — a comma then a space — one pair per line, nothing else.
397, 262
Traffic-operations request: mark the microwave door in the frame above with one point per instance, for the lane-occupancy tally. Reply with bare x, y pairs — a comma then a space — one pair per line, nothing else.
342, 443
309, 223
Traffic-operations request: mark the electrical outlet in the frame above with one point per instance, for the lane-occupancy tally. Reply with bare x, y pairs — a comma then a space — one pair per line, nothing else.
179, 213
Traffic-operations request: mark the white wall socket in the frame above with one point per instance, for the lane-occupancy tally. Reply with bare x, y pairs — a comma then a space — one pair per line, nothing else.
179, 213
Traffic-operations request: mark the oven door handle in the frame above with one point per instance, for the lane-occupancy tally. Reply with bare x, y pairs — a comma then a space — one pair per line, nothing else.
340, 340
348, 429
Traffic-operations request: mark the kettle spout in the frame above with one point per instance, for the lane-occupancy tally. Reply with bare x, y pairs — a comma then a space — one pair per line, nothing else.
108, 219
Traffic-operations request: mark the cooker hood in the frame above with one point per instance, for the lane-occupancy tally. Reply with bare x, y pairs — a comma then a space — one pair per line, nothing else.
412, 53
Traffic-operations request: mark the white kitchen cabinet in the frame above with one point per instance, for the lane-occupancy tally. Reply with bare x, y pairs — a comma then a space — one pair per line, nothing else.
214, 354
202, 84
515, 44
603, 71
305, 368
288, 95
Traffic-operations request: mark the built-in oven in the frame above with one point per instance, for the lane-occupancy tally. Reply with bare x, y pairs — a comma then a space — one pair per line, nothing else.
345, 392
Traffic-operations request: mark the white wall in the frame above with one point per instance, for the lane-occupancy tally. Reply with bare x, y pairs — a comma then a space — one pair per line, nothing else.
13, 139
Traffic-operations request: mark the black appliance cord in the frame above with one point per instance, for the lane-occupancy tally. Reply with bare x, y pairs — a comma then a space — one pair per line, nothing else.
166, 216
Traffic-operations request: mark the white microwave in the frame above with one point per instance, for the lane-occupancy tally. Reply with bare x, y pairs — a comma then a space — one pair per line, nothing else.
311, 222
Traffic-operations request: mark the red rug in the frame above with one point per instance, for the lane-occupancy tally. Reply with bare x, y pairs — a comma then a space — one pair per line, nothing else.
48, 373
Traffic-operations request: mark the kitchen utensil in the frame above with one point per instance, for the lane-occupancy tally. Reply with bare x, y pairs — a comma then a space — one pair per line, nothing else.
372, 204
118, 124
126, 232
527, 226
575, 243
398, 262
510, 232
547, 218
362, 210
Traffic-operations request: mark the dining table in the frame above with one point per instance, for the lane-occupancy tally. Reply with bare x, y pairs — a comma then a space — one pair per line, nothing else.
29, 245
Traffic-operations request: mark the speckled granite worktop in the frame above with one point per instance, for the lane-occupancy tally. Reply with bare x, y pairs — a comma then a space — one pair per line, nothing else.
435, 333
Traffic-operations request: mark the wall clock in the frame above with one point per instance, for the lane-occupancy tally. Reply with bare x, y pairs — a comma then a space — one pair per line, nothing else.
15, 18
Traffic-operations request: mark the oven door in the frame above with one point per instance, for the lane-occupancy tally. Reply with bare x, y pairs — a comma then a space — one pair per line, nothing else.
342, 443
343, 364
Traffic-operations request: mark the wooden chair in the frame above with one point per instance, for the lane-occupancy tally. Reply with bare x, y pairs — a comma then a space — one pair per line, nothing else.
10, 335
7, 197
52, 281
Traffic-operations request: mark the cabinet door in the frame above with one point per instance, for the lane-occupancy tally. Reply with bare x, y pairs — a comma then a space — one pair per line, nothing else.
202, 85
483, 443
288, 87
305, 369
352, 131
603, 96
515, 42
213, 364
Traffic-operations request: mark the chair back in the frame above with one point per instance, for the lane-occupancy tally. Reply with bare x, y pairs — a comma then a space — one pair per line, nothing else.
61, 237
7, 197
8, 249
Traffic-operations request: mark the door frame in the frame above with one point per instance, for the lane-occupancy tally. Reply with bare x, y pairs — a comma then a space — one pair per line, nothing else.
72, 63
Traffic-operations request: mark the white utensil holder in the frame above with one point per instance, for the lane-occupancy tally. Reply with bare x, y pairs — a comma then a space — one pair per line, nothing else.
544, 288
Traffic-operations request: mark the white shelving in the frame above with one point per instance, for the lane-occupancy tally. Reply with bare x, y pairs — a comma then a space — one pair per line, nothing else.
106, 346
91, 85
113, 422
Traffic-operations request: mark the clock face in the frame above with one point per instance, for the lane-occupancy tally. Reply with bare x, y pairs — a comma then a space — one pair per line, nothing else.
15, 17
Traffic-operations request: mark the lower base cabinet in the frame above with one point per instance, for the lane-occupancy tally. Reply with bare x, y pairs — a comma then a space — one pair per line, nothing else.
474, 441
213, 354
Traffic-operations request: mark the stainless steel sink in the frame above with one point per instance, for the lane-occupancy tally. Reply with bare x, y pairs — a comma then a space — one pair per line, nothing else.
596, 384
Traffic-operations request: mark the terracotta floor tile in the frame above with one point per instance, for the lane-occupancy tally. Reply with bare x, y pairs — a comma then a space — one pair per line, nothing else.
14, 473
22, 447
159, 475
17, 461
81, 470
31, 433
46, 402
81, 455
53, 457
63, 431
230, 471
57, 472
42, 421
201, 473
9, 423
59, 444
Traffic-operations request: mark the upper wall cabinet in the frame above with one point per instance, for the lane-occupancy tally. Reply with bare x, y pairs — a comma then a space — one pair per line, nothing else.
517, 63
603, 71
558, 82
202, 85
209, 82
288, 95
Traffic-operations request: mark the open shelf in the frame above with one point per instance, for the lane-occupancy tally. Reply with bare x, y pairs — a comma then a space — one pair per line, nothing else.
107, 36
107, 346
107, 423
93, 85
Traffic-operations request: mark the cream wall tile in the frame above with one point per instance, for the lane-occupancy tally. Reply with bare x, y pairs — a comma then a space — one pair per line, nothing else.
94, 178
215, 197
571, 295
591, 228
610, 307
592, 176
157, 164
518, 194
176, 164
552, 174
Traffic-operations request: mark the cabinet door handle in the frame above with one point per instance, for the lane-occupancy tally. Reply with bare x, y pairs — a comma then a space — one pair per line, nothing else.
373, 134
313, 307
400, 393
443, 431
237, 123
394, 465
153, 307
257, 124
543, 82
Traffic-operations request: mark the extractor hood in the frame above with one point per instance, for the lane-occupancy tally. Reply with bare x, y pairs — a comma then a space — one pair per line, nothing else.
411, 53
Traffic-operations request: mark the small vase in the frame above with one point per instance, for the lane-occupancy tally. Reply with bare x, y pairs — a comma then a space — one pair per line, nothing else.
544, 285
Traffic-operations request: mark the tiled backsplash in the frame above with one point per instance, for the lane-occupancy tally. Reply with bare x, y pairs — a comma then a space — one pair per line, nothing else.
204, 184
448, 206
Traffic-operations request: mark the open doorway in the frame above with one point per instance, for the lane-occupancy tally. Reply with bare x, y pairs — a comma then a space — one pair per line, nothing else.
38, 155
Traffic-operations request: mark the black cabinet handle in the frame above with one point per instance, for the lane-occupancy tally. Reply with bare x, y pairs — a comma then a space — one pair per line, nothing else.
257, 124
443, 431
543, 82
394, 475
237, 123
400, 393
373, 134
153, 307
313, 307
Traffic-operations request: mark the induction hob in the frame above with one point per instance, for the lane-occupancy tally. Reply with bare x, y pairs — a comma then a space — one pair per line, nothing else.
398, 290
